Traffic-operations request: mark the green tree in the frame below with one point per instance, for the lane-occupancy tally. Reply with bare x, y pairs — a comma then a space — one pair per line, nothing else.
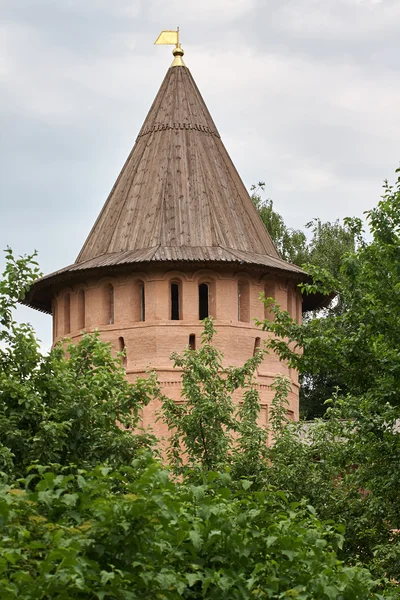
62, 407
133, 533
75, 527
211, 431
322, 245
349, 466
325, 246
290, 243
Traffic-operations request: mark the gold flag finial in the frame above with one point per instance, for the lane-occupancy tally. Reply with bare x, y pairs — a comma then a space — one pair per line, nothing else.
172, 37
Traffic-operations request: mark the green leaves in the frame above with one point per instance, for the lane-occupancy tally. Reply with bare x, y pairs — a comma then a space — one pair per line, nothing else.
19, 274
152, 538
62, 408
321, 255
350, 356
86, 512
329, 241
291, 243
209, 429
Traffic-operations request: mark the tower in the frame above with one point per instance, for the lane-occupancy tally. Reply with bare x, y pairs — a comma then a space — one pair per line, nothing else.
178, 239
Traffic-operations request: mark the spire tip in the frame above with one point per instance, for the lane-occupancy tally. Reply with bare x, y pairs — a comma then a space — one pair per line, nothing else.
172, 37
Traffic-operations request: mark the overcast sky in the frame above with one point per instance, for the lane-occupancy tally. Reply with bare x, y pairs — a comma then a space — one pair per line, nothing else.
305, 94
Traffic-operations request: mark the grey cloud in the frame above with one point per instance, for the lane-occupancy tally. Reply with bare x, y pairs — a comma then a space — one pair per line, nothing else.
306, 95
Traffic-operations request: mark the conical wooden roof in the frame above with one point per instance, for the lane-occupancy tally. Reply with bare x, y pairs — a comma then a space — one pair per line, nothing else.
178, 197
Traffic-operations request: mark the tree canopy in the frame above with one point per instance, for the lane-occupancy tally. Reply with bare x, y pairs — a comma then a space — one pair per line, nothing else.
89, 510
358, 448
322, 245
65, 406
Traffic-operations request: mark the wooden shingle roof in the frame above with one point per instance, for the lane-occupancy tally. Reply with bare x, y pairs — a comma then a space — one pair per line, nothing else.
178, 189
178, 198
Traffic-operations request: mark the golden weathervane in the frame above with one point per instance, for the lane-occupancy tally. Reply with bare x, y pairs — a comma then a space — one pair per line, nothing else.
172, 38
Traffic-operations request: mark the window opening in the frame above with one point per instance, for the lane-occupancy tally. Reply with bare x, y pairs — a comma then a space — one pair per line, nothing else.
203, 301
111, 304
142, 302
269, 292
81, 309
175, 302
243, 302
55, 319
257, 345
67, 313
192, 341
121, 348
290, 300
299, 301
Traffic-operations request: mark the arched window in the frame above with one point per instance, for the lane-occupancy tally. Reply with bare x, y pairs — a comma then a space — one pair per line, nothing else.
289, 300
55, 318
175, 301
257, 345
243, 301
81, 309
203, 301
299, 302
121, 348
142, 301
106, 295
269, 292
110, 294
67, 313
192, 341
138, 306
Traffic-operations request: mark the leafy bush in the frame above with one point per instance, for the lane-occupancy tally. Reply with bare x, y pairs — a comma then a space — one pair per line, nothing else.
104, 520
348, 469
210, 430
62, 407
133, 533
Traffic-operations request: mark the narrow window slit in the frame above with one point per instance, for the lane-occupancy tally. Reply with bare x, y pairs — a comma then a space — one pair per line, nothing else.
203, 301
257, 345
81, 309
142, 302
121, 348
110, 304
291, 302
55, 319
175, 307
269, 292
192, 341
243, 290
67, 313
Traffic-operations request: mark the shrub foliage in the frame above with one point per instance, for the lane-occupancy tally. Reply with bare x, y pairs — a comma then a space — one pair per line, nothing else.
87, 510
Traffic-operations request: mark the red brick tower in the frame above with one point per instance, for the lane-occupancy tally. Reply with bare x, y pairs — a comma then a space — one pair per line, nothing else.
177, 240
